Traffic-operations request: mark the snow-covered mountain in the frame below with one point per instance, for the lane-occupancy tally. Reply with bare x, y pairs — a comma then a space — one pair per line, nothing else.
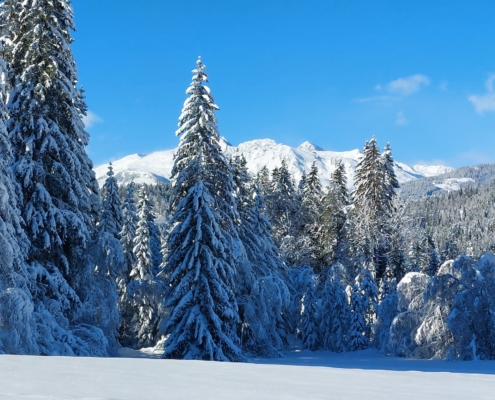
140, 168
481, 174
156, 167
432, 170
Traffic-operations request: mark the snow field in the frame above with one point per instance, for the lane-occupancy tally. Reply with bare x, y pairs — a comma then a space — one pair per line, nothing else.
303, 375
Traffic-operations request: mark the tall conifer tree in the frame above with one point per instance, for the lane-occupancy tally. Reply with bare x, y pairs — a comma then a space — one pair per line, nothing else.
17, 320
127, 234
310, 211
111, 219
59, 193
373, 198
334, 241
203, 247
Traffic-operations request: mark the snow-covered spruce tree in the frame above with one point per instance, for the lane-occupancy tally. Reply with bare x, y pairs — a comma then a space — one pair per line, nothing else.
60, 196
388, 283
385, 315
263, 180
300, 278
450, 250
430, 260
393, 223
310, 210
357, 337
104, 266
364, 299
111, 219
373, 200
144, 265
333, 238
203, 323
203, 247
334, 315
155, 241
98, 286
398, 263
369, 208
302, 182
261, 286
127, 235
369, 291
281, 202
309, 328
390, 182
17, 322
140, 301
200, 139
416, 256
312, 191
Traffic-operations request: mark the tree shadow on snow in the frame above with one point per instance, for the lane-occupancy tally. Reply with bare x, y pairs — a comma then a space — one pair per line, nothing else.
371, 359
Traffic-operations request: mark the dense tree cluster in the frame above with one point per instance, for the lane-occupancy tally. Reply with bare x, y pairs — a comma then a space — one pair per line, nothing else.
453, 223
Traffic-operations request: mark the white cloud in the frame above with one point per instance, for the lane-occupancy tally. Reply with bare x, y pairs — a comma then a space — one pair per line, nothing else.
489, 82
409, 85
485, 102
401, 120
90, 119
398, 89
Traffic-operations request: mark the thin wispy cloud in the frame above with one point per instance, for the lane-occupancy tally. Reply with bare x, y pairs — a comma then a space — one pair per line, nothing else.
485, 102
401, 120
409, 85
397, 89
90, 119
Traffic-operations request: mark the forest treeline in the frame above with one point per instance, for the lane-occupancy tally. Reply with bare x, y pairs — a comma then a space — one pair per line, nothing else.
220, 264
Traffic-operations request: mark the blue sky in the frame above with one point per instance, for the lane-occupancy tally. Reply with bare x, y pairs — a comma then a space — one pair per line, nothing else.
417, 74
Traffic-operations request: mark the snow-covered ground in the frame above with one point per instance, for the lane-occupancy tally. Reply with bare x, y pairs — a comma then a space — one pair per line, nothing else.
300, 375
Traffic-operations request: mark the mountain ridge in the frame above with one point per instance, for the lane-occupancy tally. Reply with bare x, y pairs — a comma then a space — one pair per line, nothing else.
156, 167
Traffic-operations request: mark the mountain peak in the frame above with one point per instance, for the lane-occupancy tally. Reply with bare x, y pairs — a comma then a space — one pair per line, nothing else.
308, 146
259, 153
